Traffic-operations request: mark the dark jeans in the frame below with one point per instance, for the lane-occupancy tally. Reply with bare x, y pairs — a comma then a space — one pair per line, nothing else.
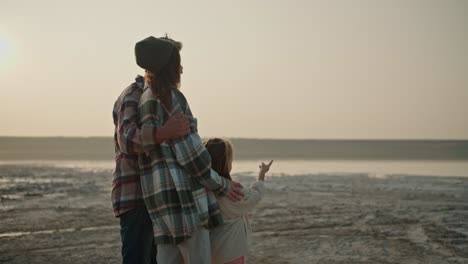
136, 232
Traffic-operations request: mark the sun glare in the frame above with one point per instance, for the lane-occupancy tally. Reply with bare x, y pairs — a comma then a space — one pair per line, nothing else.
6, 51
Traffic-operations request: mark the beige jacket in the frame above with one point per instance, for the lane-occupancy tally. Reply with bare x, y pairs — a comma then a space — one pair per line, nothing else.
230, 242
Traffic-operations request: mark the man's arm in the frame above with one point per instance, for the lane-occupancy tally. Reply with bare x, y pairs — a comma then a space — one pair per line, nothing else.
129, 135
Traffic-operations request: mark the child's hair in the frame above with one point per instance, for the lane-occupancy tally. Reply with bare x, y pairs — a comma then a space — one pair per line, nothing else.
221, 156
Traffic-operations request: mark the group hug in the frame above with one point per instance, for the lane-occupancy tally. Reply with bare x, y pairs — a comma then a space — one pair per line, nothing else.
172, 191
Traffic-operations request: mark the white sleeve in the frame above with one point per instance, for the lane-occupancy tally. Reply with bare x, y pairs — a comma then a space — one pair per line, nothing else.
252, 197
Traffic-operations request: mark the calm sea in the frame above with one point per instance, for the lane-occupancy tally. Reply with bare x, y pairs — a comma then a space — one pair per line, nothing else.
378, 158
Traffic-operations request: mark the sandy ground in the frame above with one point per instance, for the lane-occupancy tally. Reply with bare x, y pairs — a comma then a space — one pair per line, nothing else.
63, 215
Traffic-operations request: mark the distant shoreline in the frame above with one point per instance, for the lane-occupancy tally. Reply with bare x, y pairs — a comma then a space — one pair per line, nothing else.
101, 148
263, 139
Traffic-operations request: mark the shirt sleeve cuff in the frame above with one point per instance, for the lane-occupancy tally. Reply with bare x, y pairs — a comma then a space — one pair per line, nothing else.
225, 188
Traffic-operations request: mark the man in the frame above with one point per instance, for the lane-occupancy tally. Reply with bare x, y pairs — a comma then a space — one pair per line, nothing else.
178, 185
135, 225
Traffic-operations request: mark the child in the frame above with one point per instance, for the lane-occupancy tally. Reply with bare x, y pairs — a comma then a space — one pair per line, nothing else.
229, 242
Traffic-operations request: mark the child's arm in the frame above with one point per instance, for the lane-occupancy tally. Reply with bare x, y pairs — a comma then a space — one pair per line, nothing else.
254, 194
264, 168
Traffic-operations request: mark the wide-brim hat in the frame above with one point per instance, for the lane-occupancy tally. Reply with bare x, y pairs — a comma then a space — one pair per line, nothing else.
154, 53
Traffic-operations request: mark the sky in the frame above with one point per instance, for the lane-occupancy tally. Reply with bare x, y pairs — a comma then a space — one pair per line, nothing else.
257, 69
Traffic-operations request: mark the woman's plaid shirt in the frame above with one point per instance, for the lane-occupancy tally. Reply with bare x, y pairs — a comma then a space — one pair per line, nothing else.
178, 184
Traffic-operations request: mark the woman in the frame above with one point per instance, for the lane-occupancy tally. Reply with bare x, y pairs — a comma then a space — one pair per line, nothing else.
177, 184
230, 242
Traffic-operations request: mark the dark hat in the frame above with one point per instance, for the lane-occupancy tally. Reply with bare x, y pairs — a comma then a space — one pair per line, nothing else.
153, 53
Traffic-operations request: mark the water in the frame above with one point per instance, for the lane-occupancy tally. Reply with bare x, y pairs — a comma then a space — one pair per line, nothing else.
16, 148
380, 168
377, 158
373, 168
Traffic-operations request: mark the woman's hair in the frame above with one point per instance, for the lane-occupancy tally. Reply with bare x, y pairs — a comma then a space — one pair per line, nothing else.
168, 77
221, 156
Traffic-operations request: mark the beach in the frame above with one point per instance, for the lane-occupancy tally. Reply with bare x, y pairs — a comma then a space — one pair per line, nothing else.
63, 214
362, 106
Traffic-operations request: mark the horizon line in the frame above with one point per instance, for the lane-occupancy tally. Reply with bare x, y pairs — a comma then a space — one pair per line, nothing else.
257, 138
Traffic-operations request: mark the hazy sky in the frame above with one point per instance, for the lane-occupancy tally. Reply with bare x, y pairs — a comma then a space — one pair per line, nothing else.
264, 69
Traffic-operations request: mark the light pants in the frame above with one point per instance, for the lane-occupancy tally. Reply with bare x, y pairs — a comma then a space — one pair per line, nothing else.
195, 250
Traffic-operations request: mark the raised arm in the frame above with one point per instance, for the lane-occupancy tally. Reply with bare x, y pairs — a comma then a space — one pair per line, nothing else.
254, 194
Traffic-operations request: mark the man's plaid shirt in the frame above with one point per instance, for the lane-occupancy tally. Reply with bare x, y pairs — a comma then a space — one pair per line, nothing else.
177, 181
126, 188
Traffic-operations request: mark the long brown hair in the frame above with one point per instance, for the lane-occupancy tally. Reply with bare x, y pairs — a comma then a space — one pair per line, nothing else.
221, 156
168, 78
